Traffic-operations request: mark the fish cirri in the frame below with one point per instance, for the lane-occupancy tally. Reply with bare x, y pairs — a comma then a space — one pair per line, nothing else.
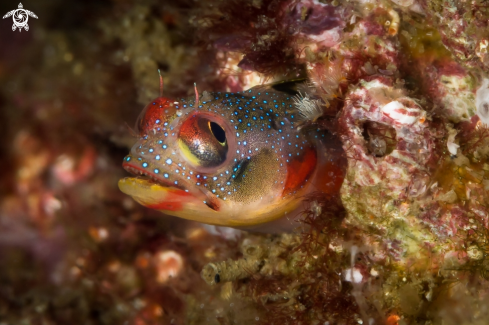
234, 159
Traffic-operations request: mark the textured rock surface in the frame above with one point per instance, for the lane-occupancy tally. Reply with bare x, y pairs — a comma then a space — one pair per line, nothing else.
404, 85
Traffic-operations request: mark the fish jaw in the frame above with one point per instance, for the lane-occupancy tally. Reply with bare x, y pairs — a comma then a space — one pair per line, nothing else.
153, 195
156, 193
174, 185
177, 202
189, 203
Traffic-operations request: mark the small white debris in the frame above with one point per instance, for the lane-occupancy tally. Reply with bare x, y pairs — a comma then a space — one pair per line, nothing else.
353, 19
316, 208
168, 265
51, 205
353, 275
451, 145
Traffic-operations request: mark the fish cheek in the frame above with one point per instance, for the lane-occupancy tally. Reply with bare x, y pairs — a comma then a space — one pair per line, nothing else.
256, 177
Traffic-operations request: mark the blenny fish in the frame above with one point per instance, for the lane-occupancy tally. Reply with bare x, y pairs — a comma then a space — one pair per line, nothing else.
231, 159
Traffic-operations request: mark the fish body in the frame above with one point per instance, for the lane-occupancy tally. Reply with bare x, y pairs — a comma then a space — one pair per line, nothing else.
234, 159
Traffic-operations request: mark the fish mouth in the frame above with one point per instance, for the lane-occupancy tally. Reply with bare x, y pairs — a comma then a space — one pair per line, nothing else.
152, 190
151, 178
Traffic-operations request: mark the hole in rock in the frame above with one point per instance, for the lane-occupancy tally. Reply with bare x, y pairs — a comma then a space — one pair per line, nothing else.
379, 138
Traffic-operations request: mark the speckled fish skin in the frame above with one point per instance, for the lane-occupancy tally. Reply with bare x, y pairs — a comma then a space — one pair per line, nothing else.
238, 159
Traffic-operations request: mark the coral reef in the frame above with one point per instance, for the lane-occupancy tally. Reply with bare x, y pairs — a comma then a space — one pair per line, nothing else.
403, 84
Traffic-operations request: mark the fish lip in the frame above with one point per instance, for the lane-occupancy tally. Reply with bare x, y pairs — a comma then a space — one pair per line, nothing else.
138, 171
196, 192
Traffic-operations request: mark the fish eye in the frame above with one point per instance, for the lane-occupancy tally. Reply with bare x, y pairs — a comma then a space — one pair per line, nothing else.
218, 132
203, 141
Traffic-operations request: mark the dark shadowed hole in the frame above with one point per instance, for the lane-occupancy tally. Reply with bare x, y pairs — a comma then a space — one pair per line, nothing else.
218, 132
379, 138
288, 87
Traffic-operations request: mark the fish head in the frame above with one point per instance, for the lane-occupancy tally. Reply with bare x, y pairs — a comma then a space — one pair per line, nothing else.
234, 159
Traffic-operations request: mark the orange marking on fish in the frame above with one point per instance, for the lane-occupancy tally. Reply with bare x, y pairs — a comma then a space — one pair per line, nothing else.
299, 169
154, 114
167, 205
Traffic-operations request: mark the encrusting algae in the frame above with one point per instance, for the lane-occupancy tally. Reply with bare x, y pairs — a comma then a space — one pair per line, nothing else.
346, 143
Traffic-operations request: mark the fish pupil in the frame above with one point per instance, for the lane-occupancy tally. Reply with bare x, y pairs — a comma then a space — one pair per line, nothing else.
218, 132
